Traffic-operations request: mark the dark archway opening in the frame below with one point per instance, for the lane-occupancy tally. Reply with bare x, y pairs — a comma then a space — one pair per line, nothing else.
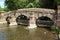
22, 20
44, 22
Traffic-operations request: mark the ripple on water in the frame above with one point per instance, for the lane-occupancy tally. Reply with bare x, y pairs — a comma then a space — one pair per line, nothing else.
21, 33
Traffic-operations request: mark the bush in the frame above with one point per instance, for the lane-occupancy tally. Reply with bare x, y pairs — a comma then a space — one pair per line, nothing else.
53, 28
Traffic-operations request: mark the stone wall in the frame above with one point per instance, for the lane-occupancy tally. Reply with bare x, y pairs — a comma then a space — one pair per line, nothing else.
37, 12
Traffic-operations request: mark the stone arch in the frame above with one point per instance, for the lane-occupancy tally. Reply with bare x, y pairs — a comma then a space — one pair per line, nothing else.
44, 20
49, 15
22, 19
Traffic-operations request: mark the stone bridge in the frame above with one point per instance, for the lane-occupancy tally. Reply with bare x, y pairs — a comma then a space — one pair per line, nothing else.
29, 12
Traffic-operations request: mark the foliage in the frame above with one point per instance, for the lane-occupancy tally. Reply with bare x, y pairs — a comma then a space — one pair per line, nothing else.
53, 28
6, 9
11, 4
1, 9
14, 4
33, 4
48, 3
58, 1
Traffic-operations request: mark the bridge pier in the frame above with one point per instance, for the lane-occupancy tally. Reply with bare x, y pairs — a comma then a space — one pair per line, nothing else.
32, 23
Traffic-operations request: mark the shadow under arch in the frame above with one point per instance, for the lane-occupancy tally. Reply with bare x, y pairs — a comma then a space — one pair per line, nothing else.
44, 21
22, 20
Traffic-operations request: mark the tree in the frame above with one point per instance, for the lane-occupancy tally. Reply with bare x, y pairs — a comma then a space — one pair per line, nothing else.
1, 9
11, 4
33, 4
58, 1
6, 9
48, 4
14, 4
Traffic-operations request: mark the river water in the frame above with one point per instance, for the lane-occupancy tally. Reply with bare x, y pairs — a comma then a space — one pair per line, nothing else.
22, 33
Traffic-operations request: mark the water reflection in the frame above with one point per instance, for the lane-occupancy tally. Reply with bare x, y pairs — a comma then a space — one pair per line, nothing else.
3, 35
21, 33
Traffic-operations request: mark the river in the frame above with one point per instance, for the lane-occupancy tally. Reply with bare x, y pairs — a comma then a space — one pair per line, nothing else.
22, 33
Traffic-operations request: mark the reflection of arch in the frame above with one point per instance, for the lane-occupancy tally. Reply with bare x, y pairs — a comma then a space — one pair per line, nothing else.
44, 18
22, 19
44, 21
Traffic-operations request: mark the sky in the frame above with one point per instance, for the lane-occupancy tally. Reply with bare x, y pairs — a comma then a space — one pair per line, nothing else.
2, 3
